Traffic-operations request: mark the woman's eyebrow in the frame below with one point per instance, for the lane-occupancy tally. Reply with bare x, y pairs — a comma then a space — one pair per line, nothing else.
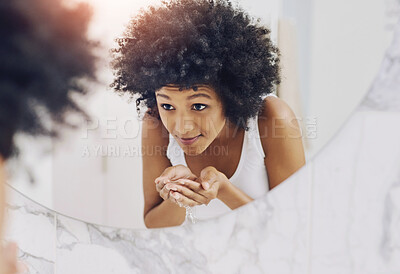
198, 95
162, 95
188, 98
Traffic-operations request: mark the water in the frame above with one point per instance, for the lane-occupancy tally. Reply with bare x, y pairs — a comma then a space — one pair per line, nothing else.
190, 215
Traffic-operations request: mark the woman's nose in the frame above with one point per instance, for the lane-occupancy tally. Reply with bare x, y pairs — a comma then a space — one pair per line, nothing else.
184, 125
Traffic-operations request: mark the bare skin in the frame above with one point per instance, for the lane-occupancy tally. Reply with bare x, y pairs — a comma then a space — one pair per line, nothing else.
2, 194
206, 176
8, 254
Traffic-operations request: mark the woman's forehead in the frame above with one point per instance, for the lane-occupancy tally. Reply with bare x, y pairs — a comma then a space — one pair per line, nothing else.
194, 89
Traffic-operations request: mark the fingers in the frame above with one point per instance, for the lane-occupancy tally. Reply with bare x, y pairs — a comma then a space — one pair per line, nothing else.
160, 179
182, 200
187, 192
182, 171
195, 186
160, 184
180, 194
176, 172
175, 184
207, 182
178, 198
205, 185
208, 176
164, 193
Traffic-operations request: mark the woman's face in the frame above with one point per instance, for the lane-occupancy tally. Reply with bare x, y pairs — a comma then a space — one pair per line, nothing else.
194, 118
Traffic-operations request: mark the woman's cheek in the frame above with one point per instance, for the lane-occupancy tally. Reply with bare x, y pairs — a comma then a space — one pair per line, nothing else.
166, 121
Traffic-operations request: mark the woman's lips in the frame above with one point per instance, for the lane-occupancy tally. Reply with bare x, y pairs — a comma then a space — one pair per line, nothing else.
190, 141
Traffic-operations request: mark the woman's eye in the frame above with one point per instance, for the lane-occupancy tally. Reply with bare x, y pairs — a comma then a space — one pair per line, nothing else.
199, 107
166, 106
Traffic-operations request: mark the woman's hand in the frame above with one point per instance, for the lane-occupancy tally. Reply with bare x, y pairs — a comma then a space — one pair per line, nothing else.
191, 193
174, 173
169, 191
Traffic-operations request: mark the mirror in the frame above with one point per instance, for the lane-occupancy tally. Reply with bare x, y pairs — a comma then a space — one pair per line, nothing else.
95, 173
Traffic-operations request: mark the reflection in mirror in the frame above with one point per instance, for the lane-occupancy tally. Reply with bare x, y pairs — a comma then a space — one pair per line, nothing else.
209, 125
95, 173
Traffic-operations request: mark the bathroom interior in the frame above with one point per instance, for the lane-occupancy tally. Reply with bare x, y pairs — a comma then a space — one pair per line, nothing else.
75, 205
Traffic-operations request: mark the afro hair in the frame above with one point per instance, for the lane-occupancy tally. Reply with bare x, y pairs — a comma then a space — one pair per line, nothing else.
197, 42
44, 53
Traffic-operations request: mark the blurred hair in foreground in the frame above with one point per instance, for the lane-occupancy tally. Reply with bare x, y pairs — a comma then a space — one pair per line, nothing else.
44, 53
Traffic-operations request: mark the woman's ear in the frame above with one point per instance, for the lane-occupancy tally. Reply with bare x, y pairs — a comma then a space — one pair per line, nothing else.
153, 112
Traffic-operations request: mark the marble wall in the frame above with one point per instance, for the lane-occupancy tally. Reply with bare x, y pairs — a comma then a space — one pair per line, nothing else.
338, 214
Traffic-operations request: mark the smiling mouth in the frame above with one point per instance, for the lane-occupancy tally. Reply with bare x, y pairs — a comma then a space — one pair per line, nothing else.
188, 141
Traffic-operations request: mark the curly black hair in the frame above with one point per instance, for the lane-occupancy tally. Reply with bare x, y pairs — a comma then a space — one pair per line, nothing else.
44, 54
190, 42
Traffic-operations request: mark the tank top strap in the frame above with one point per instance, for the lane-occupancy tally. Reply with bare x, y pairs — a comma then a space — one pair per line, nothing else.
255, 132
269, 94
254, 137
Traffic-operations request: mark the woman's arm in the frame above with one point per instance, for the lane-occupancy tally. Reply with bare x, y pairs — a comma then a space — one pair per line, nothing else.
165, 214
232, 196
157, 212
281, 140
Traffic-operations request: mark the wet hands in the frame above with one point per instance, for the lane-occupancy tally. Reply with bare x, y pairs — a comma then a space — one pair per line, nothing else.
179, 185
172, 173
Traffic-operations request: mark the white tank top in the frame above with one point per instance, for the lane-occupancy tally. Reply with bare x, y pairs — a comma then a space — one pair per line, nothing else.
250, 175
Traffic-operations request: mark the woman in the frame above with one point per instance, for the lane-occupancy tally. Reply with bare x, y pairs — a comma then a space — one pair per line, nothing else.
44, 53
214, 133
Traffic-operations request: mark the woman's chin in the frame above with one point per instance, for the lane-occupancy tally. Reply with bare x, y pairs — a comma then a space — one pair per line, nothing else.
193, 151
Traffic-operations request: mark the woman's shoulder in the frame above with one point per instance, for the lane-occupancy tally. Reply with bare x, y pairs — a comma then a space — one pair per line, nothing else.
276, 122
275, 108
281, 139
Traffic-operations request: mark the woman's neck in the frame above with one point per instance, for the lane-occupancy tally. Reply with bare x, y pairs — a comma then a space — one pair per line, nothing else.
227, 135
228, 132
